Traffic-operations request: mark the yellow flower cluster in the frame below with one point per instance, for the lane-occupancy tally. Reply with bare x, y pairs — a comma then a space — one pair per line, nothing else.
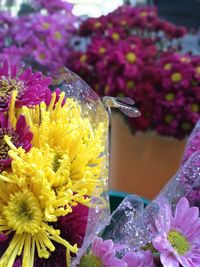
63, 168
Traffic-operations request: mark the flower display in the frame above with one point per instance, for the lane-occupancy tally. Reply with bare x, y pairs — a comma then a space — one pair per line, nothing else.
53, 163
131, 52
39, 37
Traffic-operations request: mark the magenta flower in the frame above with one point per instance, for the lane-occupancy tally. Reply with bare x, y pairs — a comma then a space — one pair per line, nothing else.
20, 136
73, 225
139, 259
193, 143
179, 235
31, 87
102, 254
177, 75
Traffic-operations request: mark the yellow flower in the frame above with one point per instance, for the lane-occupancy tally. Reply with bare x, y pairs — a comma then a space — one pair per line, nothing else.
65, 166
22, 214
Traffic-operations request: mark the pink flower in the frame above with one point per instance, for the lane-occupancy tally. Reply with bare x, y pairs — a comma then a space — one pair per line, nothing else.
31, 87
102, 254
179, 235
193, 143
99, 47
20, 136
139, 259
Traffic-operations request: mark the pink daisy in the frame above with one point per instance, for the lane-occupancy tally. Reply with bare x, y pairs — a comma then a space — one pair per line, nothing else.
179, 235
102, 255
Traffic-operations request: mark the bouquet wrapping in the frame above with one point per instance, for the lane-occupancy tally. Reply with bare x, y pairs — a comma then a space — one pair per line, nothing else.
53, 167
165, 232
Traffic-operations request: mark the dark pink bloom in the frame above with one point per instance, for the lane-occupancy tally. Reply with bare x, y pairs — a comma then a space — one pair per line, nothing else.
73, 228
20, 136
73, 225
31, 87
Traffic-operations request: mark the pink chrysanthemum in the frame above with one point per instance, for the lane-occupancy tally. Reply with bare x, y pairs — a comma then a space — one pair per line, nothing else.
20, 136
31, 87
139, 259
102, 255
179, 235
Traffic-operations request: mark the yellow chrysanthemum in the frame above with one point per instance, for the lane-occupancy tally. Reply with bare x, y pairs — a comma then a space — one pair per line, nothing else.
22, 214
65, 166
76, 146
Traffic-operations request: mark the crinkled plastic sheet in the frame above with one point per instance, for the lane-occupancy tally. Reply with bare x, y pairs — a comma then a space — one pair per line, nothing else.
133, 224
92, 108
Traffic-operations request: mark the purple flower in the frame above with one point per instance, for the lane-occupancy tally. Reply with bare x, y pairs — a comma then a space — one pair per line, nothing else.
102, 254
179, 235
193, 144
31, 87
139, 259
20, 136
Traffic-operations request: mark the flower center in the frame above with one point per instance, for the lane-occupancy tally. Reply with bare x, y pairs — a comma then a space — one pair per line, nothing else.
130, 85
61, 166
185, 59
168, 118
178, 242
197, 70
131, 57
186, 126
83, 58
195, 107
176, 77
97, 24
90, 261
167, 66
58, 35
123, 22
106, 89
4, 148
56, 162
23, 213
121, 94
46, 25
102, 50
143, 14
42, 56
170, 97
7, 86
115, 36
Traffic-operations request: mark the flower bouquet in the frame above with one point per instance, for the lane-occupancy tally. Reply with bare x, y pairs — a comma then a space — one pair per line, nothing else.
53, 167
166, 233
